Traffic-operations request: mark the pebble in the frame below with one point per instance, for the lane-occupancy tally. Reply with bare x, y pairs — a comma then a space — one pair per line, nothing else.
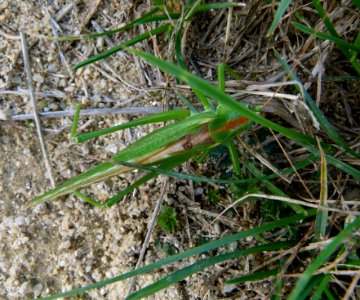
37, 290
38, 78
112, 148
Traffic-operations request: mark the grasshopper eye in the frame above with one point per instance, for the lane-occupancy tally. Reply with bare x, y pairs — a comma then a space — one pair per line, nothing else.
188, 145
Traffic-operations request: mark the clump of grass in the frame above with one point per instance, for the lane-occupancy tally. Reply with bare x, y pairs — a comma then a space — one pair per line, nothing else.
223, 119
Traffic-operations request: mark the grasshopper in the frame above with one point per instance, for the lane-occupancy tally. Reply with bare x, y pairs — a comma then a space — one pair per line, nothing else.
166, 147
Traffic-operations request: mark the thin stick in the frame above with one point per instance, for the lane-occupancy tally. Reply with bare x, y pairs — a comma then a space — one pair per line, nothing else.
351, 287
90, 112
148, 234
284, 199
35, 108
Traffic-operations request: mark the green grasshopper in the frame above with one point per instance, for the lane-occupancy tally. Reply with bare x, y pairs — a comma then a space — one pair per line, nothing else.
166, 147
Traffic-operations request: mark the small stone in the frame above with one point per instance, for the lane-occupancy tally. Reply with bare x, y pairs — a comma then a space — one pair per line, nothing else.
38, 78
228, 288
112, 148
198, 191
65, 245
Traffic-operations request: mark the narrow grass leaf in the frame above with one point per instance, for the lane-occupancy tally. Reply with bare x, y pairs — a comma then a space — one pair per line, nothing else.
336, 163
146, 18
234, 156
159, 3
328, 294
184, 100
194, 178
191, 10
142, 20
325, 36
323, 257
321, 287
191, 252
201, 265
254, 277
283, 5
357, 3
75, 121
322, 215
272, 188
166, 166
330, 27
315, 281
120, 47
330, 130
88, 199
155, 118
178, 52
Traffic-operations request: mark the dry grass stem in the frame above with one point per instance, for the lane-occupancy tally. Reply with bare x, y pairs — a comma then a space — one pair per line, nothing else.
148, 234
35, 109
288, 200
89, 112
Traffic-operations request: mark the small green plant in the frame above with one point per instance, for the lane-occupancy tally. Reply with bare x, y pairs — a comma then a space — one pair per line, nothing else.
167, 220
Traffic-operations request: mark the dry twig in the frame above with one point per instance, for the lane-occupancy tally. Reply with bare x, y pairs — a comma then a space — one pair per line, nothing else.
35, 108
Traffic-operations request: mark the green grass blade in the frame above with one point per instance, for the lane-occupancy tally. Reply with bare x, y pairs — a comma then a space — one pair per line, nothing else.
210, 180
159, 3
321, 222
166, 166
328, 294
354, 54
234, 156
311, 285
254, 277
323, 257
75, 121
178, 53
156, 118
203, 100
191, 10
191, 107
325, 36
209, 90
329, 26
233, 151
283, 5
147, 18
89, 199
120, 47
336, 163
191, 252
272, 188
321, 287
201, 265
330, 130
357, 3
